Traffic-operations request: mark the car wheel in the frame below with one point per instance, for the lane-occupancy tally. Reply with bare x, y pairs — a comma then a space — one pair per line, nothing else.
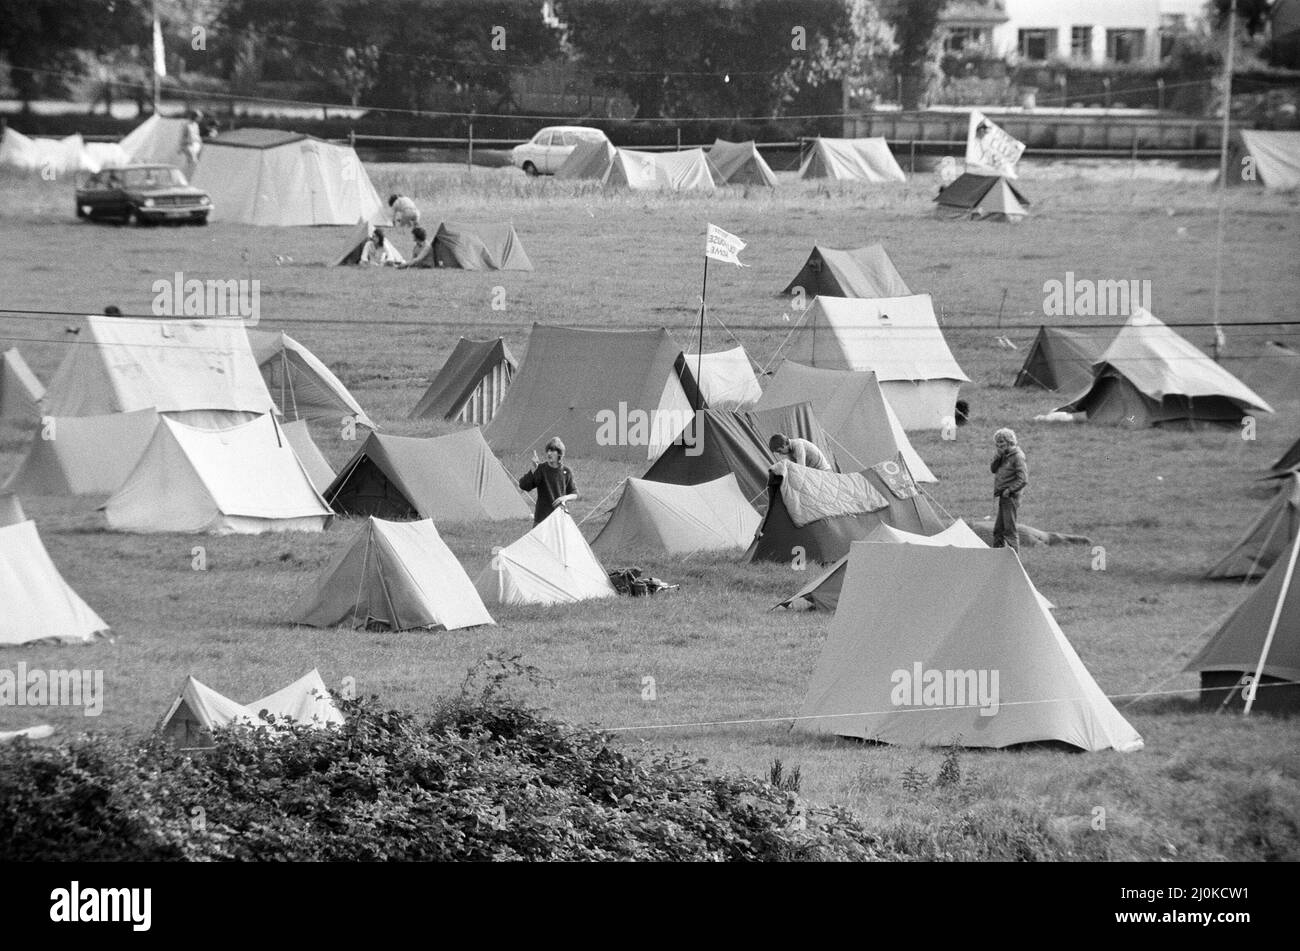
81, 211
201, 220
530, 169
132, 217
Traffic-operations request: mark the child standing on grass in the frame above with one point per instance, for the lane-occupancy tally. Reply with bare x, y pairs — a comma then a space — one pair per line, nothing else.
1010, 476
552, 480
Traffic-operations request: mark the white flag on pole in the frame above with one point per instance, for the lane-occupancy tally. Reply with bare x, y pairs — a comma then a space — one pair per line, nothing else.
723, 246
159, 54
989, 149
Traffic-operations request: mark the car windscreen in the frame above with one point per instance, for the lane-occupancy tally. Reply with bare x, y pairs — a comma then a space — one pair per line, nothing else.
152, 178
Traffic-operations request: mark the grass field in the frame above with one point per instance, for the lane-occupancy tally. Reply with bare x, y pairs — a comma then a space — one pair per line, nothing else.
1164, 505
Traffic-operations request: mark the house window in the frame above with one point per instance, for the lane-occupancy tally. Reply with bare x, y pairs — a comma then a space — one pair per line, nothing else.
1125, 46
1172, 26
965, 39
1081, 42
1037, 44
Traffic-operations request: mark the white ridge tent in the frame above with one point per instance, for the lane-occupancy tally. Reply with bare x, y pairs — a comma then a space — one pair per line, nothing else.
51, 158
679, 519
1277, 157
687, 170
86, 455
156, 140
299, 381
313, 461
199, 710
727, 380
20, 391
38, 605
852, 160
552, 564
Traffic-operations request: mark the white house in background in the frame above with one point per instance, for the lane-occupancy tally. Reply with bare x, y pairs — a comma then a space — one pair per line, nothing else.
1093, 31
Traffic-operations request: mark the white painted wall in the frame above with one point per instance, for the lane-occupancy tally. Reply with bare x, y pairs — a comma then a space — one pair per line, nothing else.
1101, 15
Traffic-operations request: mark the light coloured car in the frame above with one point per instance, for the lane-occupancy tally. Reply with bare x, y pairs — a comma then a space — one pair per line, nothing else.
545, 152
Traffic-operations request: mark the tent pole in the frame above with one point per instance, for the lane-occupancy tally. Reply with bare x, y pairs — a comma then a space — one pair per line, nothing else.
1272, 626
699, 359
1223, 169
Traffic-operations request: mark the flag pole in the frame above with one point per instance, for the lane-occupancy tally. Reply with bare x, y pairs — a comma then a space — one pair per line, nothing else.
699, 359
153, 43
1223, 173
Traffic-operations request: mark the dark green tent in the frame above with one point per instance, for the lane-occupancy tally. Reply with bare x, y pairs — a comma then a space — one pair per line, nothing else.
471, 384
1062, 359
480, 248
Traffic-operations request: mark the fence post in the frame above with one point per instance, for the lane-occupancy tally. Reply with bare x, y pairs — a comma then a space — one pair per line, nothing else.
912, 170
469, 162
352, 138
679, 138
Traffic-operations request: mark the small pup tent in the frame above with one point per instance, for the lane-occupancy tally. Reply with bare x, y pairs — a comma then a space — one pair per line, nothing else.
982, 198
903, 666
1268, 539
446, 478
157, 140
814, 516
397, 575
687, 170
244, 480
552, 564
314, 463
679, 519
86, 455
38, 605
1277, 157
471, 384
270, 177
479, 248
199, 710
590, 159
852, 272
1263, 630
898, 338
739, 163
851, 160
20, 391
302, 386
727, 379
610, 394
354, 249
1150, 376
1061, 360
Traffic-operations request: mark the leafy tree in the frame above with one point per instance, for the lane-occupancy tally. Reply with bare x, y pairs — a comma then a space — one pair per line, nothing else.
916, 31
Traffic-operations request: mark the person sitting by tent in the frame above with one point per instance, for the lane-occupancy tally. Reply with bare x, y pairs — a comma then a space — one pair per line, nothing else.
376, 251
422, 253
1010, 476
799, 451
552, 480
405, 214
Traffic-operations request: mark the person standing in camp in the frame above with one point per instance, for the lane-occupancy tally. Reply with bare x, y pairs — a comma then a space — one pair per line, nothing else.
192, 142
552, 479
405, 213
799, 451
1010, 476
422, 253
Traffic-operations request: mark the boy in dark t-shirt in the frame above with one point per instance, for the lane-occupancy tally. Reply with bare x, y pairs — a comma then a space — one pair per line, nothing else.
552, 480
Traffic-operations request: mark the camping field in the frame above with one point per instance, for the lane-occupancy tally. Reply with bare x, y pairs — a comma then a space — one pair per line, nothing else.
1159, 507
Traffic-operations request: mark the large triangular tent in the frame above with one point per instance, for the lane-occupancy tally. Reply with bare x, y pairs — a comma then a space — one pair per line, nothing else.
852, 272
20, 391
301, 385
479, 248
157, 140
354, 249
314, 463
84, 455
982, 198
552, 564
471, 384
446, 478
726, 378
609, 394
245, 480
739, 163
590, 159
1061, 360
1262, 636
850, 405
899, 339
199, 710
814, 516
271, 177
902, 666
851, 160
397, 575
1289, 462
687, 170
679, 519
1276, 155
1268, 539
38, 605
1150, 376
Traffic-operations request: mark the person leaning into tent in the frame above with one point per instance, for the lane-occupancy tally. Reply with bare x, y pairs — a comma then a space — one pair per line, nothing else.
422, 253
1010, 476
799, 451
552, 479
405, 213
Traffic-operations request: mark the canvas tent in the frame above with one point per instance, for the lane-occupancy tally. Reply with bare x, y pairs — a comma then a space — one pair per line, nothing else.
1236, 647
739, 163
590, 159
983, 198
20, 391
317, 467
1277, 157
679, 519
816, 515
902, 666
898, 338
244, 480
851, 272
552, 564
1271, 368
1061, 360
47, 157
11, 510
850, 404
156, 140
687, 170
355, 245
199, 710
851, 160
471, 384
1150, 376
727, 378
611, 394
301, 385
270, 177
446, 478
1268, 539
38, 605
87, 455
1290, 460
479, 248
397, 575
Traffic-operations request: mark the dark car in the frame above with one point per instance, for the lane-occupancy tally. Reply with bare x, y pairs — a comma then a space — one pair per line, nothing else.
147, 194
